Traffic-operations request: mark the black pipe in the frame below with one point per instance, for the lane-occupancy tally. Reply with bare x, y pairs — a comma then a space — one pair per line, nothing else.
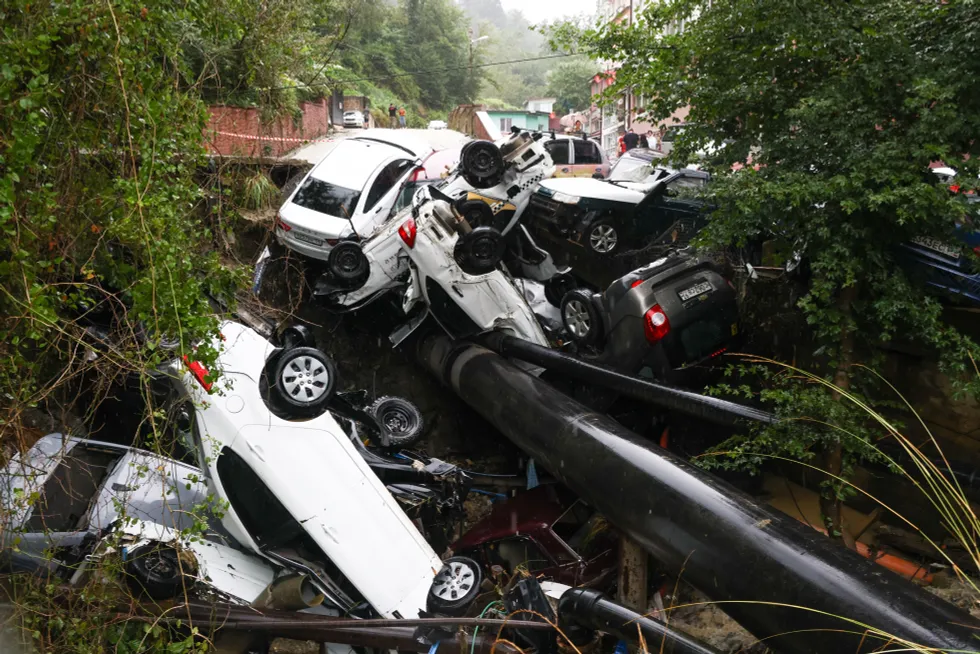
779, 578
588, 608
711, 409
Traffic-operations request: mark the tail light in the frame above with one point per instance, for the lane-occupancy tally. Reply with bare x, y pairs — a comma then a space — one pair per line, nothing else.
655, 324
199, 372
408, 231
636, 283
281, 225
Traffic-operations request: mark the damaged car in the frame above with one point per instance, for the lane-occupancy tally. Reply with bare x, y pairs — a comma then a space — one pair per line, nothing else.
299, 493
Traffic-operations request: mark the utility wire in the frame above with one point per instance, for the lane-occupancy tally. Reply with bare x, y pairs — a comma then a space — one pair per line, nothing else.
428, 72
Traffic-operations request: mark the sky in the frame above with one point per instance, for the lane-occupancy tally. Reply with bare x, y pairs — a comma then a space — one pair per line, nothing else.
538, 11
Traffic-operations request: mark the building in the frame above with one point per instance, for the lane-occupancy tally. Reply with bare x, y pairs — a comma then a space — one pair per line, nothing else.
536, 105
504, 119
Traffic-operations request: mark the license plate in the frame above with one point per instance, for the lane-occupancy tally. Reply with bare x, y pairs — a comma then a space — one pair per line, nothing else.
694, 291
936, 245
309, 239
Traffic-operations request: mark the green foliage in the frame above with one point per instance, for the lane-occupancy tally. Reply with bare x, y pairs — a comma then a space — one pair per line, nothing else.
569, 82
254, 190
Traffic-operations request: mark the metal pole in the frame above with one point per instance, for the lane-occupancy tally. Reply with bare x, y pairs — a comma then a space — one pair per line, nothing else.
782, 580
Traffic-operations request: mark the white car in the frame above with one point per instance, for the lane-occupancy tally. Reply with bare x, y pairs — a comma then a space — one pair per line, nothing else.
437, 124
353, 119
299, 492
349, 193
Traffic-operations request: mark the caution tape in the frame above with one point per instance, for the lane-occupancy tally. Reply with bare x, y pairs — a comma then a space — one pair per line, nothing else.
281, 139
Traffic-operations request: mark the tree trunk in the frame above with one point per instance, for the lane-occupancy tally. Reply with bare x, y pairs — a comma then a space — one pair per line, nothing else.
832, 508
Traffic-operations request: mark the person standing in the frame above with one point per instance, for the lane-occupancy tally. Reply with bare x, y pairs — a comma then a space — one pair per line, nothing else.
367, 119
644, 141
392, 110
401, 117
631, 139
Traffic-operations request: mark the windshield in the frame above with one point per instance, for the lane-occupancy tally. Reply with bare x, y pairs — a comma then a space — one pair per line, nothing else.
408, 192
324, 197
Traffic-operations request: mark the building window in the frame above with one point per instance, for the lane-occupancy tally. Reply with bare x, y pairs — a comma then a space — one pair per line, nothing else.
506, 124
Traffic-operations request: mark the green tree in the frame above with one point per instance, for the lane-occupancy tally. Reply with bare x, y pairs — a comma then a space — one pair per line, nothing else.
569, 82
843, 106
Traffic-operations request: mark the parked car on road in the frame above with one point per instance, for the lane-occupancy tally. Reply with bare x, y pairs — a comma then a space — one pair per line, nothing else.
353, 119
349, 193
299, 492
437, 124
576, 156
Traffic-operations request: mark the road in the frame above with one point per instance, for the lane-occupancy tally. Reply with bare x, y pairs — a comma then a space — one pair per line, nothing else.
439, 139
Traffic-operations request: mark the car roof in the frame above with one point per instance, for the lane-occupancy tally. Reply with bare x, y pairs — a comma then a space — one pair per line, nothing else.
646, 154
353, 161
404, 140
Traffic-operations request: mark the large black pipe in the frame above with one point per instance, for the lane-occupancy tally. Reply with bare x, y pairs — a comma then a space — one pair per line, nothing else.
782, 580
586, 607
711, 409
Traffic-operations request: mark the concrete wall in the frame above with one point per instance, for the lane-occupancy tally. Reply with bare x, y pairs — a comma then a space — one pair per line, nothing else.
239, 131
472, 119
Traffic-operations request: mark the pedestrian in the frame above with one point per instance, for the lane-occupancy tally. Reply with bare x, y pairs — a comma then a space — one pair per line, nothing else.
401, 116
652, 140
621, 143
392, 110
367, 119
631, 139
644, 141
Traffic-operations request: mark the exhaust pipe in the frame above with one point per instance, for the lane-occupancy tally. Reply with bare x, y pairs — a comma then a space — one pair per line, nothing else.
780, 579
711, 409
293, 593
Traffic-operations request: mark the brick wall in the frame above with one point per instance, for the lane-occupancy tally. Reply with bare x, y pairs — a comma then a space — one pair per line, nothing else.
238, 131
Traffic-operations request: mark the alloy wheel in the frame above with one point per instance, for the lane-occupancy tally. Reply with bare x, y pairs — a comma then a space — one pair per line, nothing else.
603, 238
454, 581
305, 379
577, 318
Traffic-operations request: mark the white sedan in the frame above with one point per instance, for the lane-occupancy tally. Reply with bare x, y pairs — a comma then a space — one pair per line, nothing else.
349, 193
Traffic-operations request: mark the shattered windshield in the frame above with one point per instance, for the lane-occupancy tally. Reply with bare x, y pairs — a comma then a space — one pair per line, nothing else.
324, 197
629, 169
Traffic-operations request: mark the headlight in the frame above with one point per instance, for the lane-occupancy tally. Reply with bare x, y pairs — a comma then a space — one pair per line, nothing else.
565, 198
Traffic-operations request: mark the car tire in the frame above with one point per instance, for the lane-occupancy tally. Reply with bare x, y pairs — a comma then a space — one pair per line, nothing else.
481, 164
480, 251
601, 237
580, 317
296, 336
556, 288
155, 570
476, 212
454, 587
398, 419
348, 265
303, 381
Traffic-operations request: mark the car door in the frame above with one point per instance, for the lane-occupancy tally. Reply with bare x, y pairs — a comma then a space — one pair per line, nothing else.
560, 154
672, 211
381, 195
587, 159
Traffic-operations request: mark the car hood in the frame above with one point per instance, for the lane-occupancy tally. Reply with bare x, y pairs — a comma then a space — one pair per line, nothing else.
597, 189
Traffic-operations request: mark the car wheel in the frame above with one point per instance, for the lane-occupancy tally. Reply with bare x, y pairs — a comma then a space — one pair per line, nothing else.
482, 164
155, 570
479, 252
303, 381
455, 587
296, 336
476, 212
601, 237
580, 317
556, 288
398, 419
348, 265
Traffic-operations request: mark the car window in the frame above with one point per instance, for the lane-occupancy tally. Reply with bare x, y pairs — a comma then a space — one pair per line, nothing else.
261, 513
408, 192
558, 149
630, 169
586, 152
521, 553
683, 186
385, 181
67, 494
324, 197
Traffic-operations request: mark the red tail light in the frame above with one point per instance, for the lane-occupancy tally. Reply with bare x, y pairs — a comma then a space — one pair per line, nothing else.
200, 373
281, 225
408, 231
655, 324
636, 283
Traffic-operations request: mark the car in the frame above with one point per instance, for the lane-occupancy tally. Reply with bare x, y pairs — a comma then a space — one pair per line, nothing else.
349, 193
670, 134
548, 533
59, 497
657, 321
434, 170
639, 165
576, 156
354, 119
299, 493
437, 124
587, 223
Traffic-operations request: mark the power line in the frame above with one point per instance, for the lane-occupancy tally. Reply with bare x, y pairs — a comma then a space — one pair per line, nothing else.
431, 71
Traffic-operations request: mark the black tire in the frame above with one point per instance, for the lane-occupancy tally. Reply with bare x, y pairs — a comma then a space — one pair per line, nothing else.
455, 587
398, 419
302, 382
581, 318
601, 237
296, 336
481, 164
348, 265
556, 288
476, 212
155, 570
480, 251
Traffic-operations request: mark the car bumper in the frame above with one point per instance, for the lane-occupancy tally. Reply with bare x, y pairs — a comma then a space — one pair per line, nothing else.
318, 252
